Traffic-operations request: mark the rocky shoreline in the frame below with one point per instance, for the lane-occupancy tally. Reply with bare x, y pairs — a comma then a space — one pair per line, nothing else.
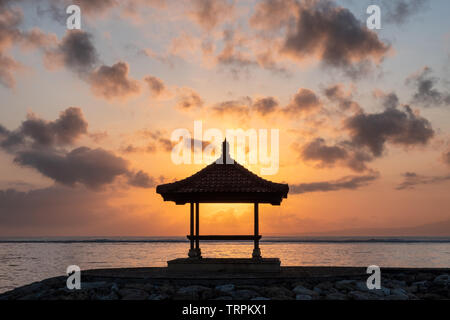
412, 284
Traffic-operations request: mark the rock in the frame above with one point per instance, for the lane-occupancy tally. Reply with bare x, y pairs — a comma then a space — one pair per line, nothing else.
345, 284
224, 298
277, 292
304, 291
167, 289
398, 283
431, 296
133, 294
423, 276
399, 291
111, 296
248, 287
422, 286
336, 296
193, 292
225, 288
115, 287
397, 297
325, 286
156, 296
357, 295
361, 286
259, 298
94, 285
318, 290
442, 280
244, 294
381, 292
303, 297
412, 289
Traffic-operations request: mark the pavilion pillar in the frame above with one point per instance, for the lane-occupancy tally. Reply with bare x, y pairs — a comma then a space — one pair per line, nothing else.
256, 251
192, 252
197, 231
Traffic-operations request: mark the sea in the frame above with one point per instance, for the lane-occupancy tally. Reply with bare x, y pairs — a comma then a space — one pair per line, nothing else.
26, 260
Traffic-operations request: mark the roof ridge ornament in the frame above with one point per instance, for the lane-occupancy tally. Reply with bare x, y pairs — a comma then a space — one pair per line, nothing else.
226, 158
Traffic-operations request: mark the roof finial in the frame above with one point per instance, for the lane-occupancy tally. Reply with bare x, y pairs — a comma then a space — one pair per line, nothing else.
224, 151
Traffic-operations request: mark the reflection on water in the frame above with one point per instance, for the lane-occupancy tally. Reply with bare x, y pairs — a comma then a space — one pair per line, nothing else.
23, 263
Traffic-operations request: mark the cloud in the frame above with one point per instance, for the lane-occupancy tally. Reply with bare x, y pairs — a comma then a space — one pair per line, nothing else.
156, 85
90, 167
210, 13
65, 130
345, 183
55, 206
70, 125
399, 11
270, 15
8, 67
343, 154
426, 93
239, 107
392, 125
188, 99
141, 179
412, 179
75, 51
10, 35
303, 102
40, 145
265, 106
446, 157
336, 93
113, 82
335, 37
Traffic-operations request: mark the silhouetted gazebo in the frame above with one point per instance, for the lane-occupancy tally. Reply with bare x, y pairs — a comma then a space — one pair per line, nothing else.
223, 181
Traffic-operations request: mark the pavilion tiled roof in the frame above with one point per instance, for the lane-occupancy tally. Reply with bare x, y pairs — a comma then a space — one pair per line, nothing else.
224, 182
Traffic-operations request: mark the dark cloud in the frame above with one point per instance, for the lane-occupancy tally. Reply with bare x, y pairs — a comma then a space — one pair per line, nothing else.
239, 107
345, 183
392, 125
265, 106
91, 167
113, 82
65, 130
390, 101
37, 144
304, 101
156, 85
188, 99
335, 37
411, 180
76, 51
70, 125
399, 11
210, 13
141, 179
345, 101
426, 92
343, 153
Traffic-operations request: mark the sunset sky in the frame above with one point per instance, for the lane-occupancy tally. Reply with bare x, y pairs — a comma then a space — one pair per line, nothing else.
86, 115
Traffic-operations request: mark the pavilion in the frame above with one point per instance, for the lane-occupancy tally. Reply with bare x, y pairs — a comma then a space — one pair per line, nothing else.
223, 181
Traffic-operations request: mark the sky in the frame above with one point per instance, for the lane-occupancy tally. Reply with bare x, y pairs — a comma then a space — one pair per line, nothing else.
86, 116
